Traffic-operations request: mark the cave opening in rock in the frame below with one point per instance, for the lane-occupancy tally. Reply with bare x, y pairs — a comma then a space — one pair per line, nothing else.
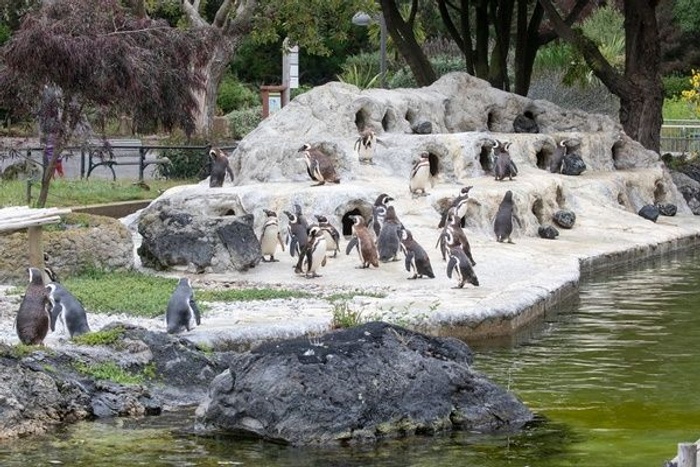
362, 119
389, 120
491, 121
538, 210
434, 161
544, 156
485, 159
348, 221
660, 192
561, 199
616, 149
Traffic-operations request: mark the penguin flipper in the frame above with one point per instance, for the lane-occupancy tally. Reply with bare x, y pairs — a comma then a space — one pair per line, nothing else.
409, 259
293, 245
279, 239
54, 313
351, 244
195, 310
450, 266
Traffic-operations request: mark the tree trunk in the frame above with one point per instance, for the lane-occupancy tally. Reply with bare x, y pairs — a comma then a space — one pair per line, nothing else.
213, 70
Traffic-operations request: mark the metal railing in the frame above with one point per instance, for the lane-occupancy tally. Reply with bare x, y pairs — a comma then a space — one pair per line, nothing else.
680, 137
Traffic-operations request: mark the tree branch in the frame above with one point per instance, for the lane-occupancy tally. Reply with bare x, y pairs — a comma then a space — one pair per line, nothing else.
192, 11
222, 14
243, 19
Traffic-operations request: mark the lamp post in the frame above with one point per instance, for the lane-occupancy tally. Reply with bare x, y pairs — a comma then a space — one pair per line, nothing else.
363, 19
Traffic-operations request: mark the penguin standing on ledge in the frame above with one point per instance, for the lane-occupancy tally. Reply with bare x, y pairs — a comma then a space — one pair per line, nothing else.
219, 168
182, 312
314, 256
503, 225
67, 309
297, 228
417, 260
331, 233
270, 236
420, 177
365, 146
33, 319
379, 212
460, 266
363, 241
319, 166
460, 204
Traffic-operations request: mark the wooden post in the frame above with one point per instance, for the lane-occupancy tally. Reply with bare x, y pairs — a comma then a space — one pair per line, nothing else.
36, 254
687, 455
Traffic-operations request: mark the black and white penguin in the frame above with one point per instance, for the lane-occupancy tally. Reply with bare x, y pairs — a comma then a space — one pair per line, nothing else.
318, 165
270, 236
48, 270
363, 240
460, 266
33, 318
182, 312
557, 159
297, 229
331, 233
460, 204
365, 146
417, 260
67, 309
379, 212
503, 224
314, 256
389, 241
420, 178
503, 163
219, 168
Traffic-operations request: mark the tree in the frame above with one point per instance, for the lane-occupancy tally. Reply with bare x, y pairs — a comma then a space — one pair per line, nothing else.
72, 55
639, 86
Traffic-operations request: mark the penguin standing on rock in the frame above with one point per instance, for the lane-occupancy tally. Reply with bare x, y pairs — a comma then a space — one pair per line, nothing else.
33, 319
67, 309
460, 266
379, 212
363, 241
297, 228
557, 159
503, 225
314, 256
417, 260
504, 165
319, 166
219, 168
182, 312
270, 236
460, 204
331, 234
365, 146
457, 238
420, 175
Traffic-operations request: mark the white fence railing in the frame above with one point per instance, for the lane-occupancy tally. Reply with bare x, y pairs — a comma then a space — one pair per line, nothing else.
680, 136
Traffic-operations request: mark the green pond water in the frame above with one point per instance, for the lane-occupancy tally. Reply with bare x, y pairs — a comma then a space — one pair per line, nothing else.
613, 378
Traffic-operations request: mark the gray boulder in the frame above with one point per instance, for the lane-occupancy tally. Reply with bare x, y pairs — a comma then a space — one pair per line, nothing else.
667, 209
357, 385
564, 218
549, 232
649, 212
689, 188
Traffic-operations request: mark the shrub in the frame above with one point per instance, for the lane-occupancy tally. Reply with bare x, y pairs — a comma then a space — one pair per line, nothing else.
184, 163
442, 65
235, 95
242, 122
674, 86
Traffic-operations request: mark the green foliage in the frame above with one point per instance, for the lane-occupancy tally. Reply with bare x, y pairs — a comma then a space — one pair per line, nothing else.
345, 317
242, 122
240, 295
442, 65
102, 337
363, 78
234, 95
109, 371
185, 163
677, 109
686, 13
674, 85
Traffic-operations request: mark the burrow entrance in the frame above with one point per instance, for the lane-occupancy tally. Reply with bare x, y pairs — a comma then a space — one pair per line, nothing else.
353, 208
544, 157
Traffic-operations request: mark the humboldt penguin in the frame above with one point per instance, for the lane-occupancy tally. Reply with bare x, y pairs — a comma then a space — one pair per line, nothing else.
331, 233
318, 165
270, 236
365, 145
379, 212
363, 241
457, 238
417, 260
460, 203
48, 270
460, 266
503, 225
503, 164
388, 241
219, 168
67, 309
296, 231
420, 175
33, 318
557, 159
182, 312
314, 256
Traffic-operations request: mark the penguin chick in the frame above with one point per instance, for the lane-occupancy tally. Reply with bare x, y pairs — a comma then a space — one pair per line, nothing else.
420, 177
318, 165
270, 236
33, 319
68, 309
459, 265
363, 241
503, 225
331, 234
504, 165
417, 260
297, 228
182, 312
314, 255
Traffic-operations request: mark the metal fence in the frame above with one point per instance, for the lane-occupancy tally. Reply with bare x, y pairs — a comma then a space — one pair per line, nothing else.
680, 137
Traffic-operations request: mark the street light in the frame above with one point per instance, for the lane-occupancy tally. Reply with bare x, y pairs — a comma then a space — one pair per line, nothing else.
363, 19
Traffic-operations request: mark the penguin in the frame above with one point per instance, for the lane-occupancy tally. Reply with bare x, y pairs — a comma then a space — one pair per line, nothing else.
314, 255
68, 309
417, 260
296, 231
182, 311
379, 212
388, 241
420, 175
33, 318
460, 203
503, 225
270, 236
558, 157
48, 270
219, 168
504, 165
331, 233
460, 266
319, 166
457, 238
362, 240
365, 145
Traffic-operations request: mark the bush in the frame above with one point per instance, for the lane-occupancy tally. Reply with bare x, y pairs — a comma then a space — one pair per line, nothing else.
674, 86
442, 66
235, 95
242, 122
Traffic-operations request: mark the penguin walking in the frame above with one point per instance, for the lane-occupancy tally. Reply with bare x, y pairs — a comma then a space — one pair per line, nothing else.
33, 318
363, 241
314, 255
457, 238
417, 260
379, 212
365, 146
330, 233
297, 228
503, 225
460, 204
270, 236
503, 165
182, 312
319, 166
67, 309
420, 175
388, 241
460, 266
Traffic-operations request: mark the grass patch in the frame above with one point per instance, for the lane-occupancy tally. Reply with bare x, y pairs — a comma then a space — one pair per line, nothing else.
68, 193
109, 371
244, 295
103, 337
345, 296
345, 317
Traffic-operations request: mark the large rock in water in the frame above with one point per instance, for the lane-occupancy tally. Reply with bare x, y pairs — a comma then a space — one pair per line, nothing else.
357, 385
